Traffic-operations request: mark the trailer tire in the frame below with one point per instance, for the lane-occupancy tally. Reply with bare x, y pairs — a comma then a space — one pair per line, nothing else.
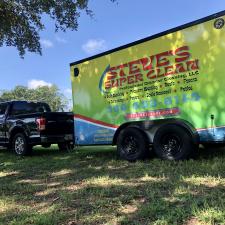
20, 145
173, 142
132, 145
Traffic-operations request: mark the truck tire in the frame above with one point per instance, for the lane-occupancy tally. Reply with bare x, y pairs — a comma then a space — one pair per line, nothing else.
46, 145
20, 145
64, 146
173, 142
132, 144
213, 145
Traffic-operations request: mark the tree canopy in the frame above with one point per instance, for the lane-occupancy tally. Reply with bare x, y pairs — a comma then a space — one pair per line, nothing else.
51, 95
21, 20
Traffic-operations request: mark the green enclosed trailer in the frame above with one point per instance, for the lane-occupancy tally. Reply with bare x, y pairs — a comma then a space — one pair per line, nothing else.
166, 90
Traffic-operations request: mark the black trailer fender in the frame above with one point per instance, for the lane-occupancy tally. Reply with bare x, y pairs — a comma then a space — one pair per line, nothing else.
190, 129
150, 127
136, 125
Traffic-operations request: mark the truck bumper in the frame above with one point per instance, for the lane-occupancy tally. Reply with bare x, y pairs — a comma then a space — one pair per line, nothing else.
57, 139
51, 139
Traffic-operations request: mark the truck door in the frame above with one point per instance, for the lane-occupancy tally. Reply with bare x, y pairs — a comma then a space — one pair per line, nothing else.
3, 107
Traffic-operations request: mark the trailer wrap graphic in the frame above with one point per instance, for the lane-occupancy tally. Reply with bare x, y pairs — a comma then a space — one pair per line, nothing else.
148, 68
177, 75
141, 80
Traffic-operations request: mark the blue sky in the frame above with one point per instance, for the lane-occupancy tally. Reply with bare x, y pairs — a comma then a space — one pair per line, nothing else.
112, 26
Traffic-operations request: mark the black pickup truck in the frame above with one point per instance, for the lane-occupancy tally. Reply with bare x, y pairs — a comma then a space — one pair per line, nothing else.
25, 124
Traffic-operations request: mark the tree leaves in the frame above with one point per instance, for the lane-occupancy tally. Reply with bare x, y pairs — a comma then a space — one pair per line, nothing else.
21, 20
50, 95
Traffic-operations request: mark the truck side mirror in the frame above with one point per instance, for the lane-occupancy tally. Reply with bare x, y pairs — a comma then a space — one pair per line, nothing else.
76, 72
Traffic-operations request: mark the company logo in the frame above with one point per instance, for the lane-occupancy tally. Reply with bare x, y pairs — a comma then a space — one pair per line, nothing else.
148, 68
219, 23
101, 82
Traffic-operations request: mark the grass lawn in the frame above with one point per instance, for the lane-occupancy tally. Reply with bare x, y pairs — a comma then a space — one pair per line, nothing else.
90, 186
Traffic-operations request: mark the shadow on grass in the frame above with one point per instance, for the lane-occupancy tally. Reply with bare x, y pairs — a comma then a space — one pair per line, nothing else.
89, 186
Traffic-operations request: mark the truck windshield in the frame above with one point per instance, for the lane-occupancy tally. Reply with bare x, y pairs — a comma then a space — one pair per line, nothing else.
2, 110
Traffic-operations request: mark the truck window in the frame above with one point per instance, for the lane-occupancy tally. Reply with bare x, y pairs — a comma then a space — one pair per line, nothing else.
3, 108
20, 108
40, 107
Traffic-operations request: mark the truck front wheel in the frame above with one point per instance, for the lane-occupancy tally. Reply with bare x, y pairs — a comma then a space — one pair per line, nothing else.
173, 143
132, 144
20, 145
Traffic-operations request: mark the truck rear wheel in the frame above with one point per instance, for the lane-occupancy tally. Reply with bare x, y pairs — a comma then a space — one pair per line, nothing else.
65, 146
46, 145
132, 144
20, 145
173, 142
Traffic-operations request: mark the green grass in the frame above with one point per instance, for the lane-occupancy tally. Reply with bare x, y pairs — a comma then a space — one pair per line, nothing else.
90, 186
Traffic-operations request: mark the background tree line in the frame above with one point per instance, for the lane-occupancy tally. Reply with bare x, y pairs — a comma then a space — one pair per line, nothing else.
50, 95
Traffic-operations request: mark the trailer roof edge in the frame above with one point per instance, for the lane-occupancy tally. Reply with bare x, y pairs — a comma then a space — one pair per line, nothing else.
181, 27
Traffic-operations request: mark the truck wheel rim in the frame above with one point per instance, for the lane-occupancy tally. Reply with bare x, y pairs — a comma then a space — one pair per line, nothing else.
19, 145
171, 145
130, 145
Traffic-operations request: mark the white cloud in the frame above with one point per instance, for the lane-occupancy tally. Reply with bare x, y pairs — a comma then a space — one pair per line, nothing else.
46, 43
60, 40
94, 45
33, 84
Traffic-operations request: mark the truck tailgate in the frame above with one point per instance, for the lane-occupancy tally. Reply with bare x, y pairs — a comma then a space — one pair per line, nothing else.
58, 123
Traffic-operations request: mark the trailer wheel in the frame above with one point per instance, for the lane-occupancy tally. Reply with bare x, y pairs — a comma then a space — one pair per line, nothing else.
20, 145
173, 143
132, 144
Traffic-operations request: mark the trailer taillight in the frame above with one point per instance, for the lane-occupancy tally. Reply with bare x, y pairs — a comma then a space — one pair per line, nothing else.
41, 122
